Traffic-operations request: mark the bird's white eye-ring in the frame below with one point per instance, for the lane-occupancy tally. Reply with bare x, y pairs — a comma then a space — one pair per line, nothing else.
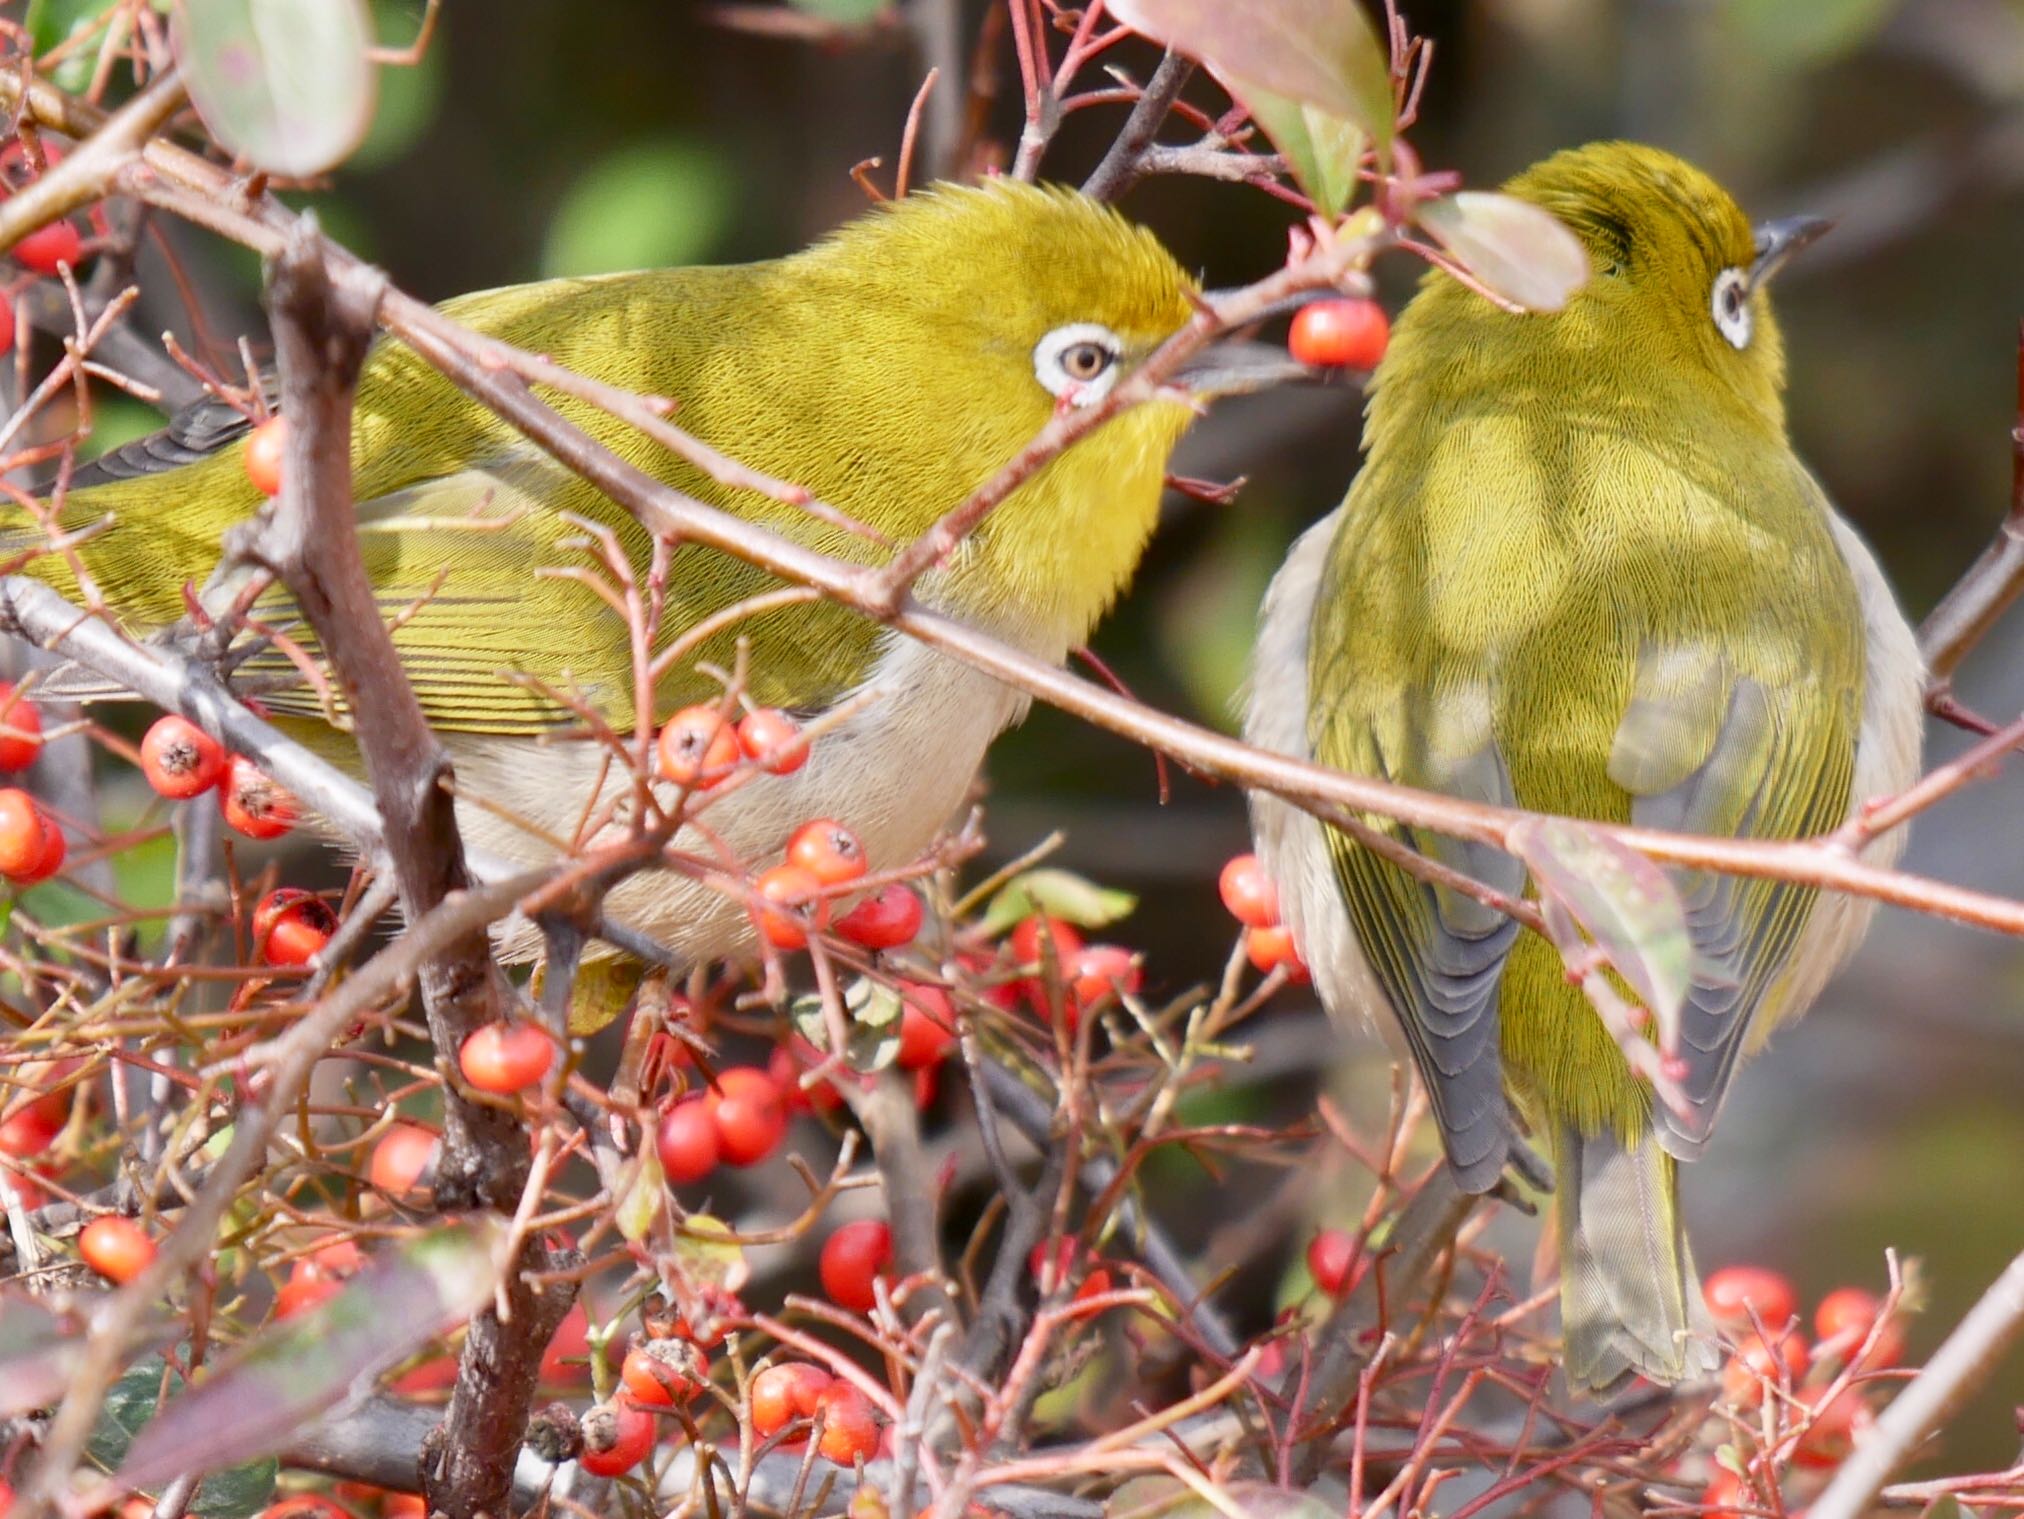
1731, 305
1077, 363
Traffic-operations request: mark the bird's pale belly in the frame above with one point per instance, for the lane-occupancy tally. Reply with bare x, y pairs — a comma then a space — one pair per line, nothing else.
895, 770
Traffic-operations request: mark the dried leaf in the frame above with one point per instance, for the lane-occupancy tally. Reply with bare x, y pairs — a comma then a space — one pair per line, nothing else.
1620, 900
255, 1401
1320, 53
708, 1254
1058, 893
1519, 250
645, 1199
288, 84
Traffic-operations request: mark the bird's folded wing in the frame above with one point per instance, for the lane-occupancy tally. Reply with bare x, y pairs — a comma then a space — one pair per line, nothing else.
1704, 749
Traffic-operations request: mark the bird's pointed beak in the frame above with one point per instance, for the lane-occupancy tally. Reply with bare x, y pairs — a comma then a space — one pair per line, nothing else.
1778, 240
1236, 365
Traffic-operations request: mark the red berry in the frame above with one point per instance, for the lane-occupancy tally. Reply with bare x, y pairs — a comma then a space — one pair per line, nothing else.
927, 1025
849, 1425
305, 1506
751, 1119
1044, 949
254, 804
851, 1259
1843, 1321
828, 851
28, 1132
1832, 1428
22, 1187
886, 920
1249, 893
1271, 948
6, 347
664, 1373
333, 1261
1734, 1290
567, 1358
1334, 1261
1339, 334
1100, 973
1725, 1497
687, 1141
180, 759
794, 905
302, 1292
266, 447
23, 834
774, 739
403, 1153
784, 1392
291, 926
1065, 1252
20, 726
698, 747
46, 247
506, 1057
786, 1068
118, 1249
616, 1437
54, 848
1759, 1362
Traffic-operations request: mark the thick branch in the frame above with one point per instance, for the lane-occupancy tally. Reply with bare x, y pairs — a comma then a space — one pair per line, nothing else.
1125, 162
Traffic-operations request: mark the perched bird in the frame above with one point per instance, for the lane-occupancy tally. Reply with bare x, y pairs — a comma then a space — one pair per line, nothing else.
890, 369
1582, 571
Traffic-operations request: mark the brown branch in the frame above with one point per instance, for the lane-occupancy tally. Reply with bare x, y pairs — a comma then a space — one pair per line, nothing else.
1974, 1350
1124, 163
107, 143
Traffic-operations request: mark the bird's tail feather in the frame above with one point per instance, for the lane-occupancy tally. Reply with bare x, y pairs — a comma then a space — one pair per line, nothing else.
1629, 1299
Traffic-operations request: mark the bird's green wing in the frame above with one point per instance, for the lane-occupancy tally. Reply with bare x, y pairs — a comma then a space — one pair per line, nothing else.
487, 589
1438, 955
1706, 749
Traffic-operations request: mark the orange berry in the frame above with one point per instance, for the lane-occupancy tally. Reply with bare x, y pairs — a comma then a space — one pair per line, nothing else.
1734, 1291
20, 729
794, 906
266, 447
1248, 892
1270, 948
23, 835
254, 804
664, 1373
849, 1425
828, 851
506, 1057
291, 927
403, 1153
1339, 334
751, 1119
302, 1292
783, 1392
117, 1248
180, 759
1843, 1321
698, 747
774, 739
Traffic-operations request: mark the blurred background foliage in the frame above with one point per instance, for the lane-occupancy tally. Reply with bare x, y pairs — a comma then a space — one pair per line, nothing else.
541, 138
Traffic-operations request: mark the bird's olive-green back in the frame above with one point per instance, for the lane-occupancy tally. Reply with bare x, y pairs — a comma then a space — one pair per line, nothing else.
889, 369
1583, 572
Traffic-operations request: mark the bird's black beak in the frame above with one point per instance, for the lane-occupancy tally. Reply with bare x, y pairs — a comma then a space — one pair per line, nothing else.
1236, 365
1777, 241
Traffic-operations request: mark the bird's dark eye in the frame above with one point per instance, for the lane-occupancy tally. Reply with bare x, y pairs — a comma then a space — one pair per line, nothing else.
1730, 307
1085, 361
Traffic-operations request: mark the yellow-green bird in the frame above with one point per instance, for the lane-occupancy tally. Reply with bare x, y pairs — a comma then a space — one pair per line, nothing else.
890, 369
1582, 571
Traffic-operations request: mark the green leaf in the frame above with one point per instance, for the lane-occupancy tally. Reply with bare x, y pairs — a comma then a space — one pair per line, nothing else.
253, 1403
1320, 53
285, 83
873, 1012
645, 1200
39, 1349
1058, 893
1623, 902
1323, 151
1519, 250
648, 206
50, 22
236, 1493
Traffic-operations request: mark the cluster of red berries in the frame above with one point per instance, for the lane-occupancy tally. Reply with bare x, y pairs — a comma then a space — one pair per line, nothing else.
1057, 974
788, 1391
317, 1276
1253, 901
32, 846
181, 760
1759, 1310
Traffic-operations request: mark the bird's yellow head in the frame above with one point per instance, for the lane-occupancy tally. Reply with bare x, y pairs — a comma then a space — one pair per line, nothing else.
989, 308
1678, 292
